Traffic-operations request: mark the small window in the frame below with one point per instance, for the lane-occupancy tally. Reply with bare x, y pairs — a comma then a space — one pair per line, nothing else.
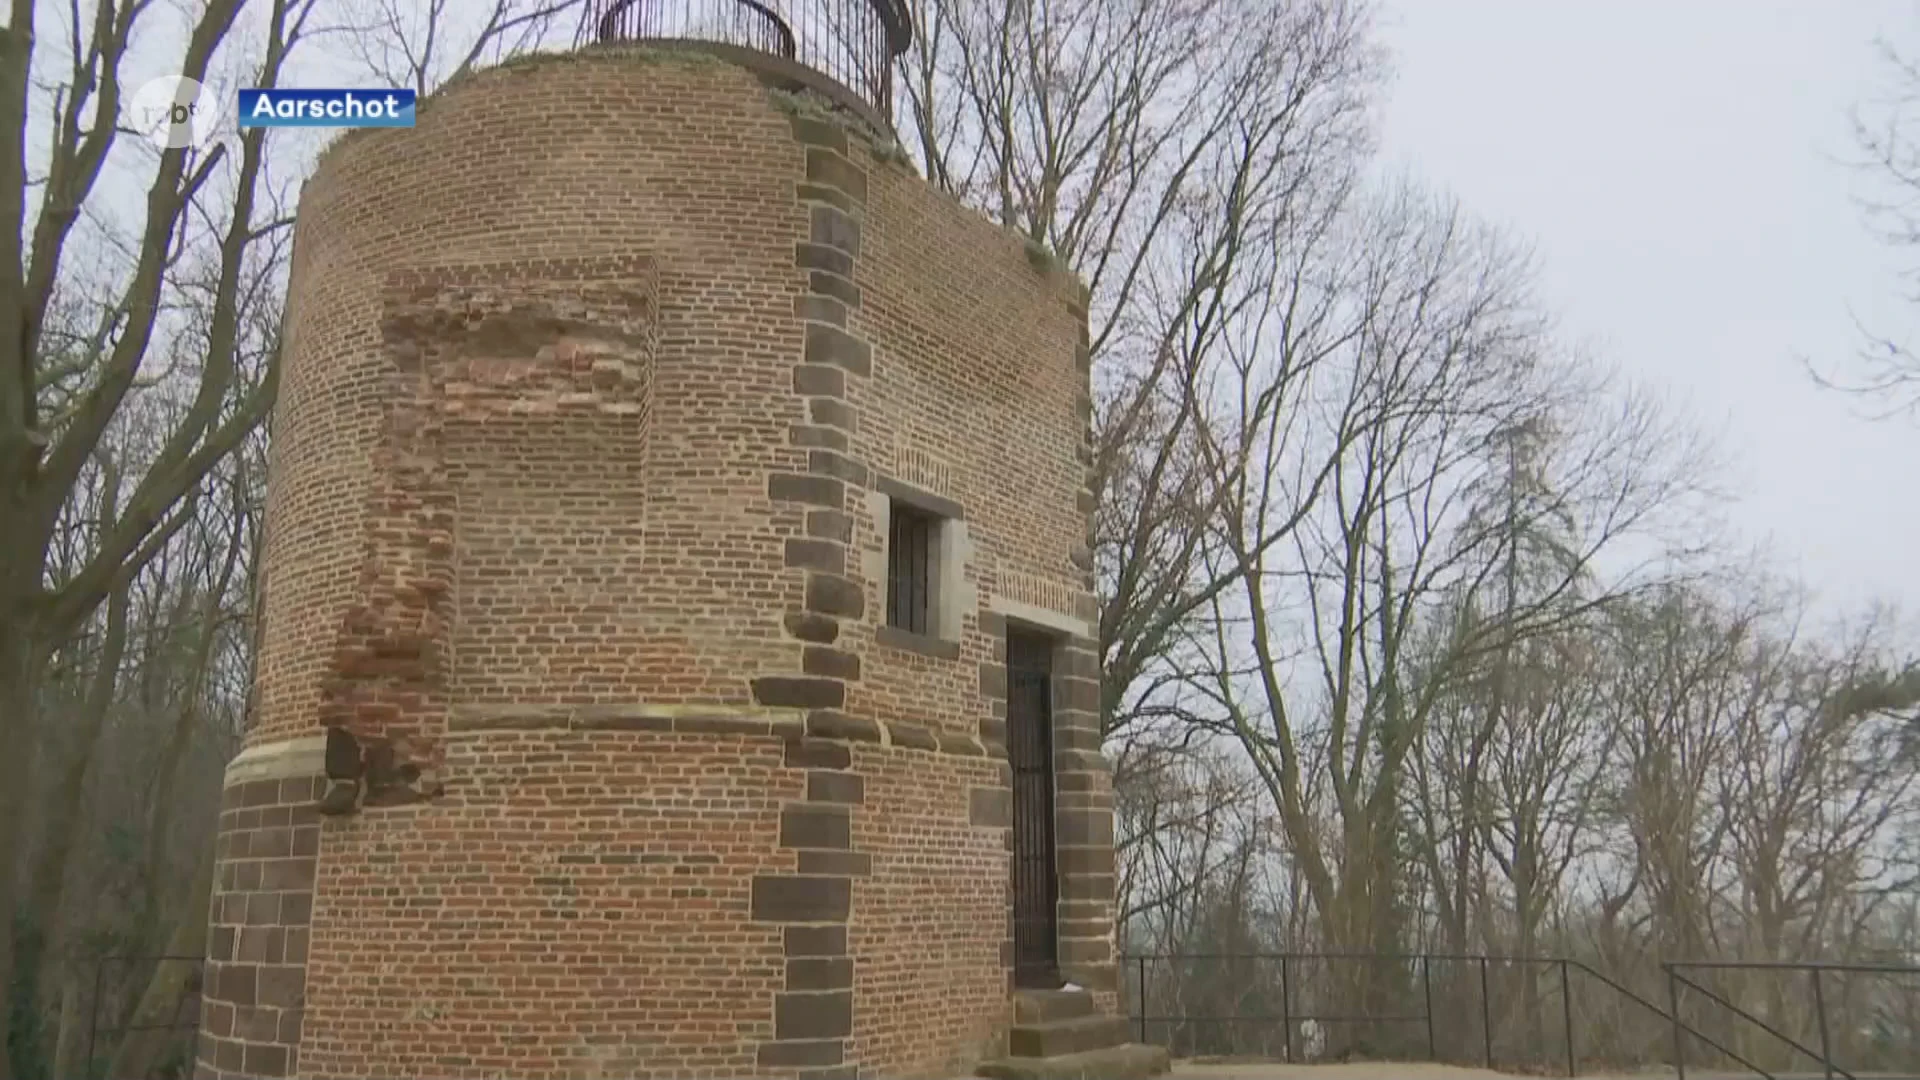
910, 551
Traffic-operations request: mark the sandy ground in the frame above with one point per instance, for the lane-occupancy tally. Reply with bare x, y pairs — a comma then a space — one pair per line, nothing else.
1402, 1071
1420, 1070
1372, 1070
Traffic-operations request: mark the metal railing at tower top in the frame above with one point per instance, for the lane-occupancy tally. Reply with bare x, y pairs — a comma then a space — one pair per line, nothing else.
852, 42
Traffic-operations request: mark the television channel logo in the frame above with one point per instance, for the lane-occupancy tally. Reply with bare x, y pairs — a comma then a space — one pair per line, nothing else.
174, 113
275, 107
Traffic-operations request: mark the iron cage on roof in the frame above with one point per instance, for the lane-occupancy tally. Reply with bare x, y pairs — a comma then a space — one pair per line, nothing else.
853, 42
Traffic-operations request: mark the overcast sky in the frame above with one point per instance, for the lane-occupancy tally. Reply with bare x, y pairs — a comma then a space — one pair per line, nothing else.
1675, 165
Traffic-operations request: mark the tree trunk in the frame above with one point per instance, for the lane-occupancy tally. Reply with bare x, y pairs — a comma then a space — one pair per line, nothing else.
19, 701
68, 1040
65, 809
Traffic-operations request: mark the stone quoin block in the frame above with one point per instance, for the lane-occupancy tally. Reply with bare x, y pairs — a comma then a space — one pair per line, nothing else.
815, 941
824, 309
820, 193
816, 490
813, 825
823, 258
836, 229
835, 286
816, 754
835, 525
810, 436
913, 736
1086, 860
807, 626
823, 1015
834, 724
829, 345
835, 863
830, 663
782, 899
993, 733
818, 379
799, 692
839, 466
831, 413
834, 170
836, 787
952, 742
822, 133
577, 584
802, 1052
831, 594
820, 973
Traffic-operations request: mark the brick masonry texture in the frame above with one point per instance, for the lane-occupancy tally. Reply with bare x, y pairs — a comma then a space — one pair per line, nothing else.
251, 1016
594, 381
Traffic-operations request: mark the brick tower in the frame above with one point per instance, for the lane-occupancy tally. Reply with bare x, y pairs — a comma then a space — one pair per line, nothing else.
676, 652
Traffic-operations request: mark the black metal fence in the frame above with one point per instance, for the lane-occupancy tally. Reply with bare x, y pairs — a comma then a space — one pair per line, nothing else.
852, 42
1516, 1014
113, 1016
1328, 1006
1835, 1020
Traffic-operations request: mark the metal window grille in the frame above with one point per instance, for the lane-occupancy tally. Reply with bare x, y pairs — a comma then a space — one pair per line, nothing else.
910, 535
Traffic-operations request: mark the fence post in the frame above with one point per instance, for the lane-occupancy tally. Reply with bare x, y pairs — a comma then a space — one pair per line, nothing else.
1566, 1013
1426, 987
1679, 1043
1486, 1013
1142, 958
1286, 1005
1820, 1009
93, 1013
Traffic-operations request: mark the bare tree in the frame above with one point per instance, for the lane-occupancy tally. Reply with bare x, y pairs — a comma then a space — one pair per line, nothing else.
1671, 712
86, 311
1358, 438
425, 43
1181, 811
138, 353
1509, 792
1149, 146
1336, 471
1886, 371
1811, 786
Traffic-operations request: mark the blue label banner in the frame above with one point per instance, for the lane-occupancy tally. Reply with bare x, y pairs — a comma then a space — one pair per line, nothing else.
326, 108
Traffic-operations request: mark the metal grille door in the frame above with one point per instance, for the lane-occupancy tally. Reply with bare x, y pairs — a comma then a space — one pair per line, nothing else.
1036, 888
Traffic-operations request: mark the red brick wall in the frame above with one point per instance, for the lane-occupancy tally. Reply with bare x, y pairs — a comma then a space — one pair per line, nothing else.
507, 173
576, 905
593, 376
931, 994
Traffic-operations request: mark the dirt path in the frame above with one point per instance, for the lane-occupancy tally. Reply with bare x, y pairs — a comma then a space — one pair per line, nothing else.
1388, 1070
1362, 1071
1374, 1070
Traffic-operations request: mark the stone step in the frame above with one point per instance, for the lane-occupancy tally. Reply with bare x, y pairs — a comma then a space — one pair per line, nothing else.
1072, 1036
1128, 1061
1043, 1006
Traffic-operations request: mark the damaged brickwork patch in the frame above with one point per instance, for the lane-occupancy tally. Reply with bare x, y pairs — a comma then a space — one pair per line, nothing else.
469, 345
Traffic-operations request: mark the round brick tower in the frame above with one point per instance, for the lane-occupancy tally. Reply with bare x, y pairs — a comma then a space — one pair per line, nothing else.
676, 652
